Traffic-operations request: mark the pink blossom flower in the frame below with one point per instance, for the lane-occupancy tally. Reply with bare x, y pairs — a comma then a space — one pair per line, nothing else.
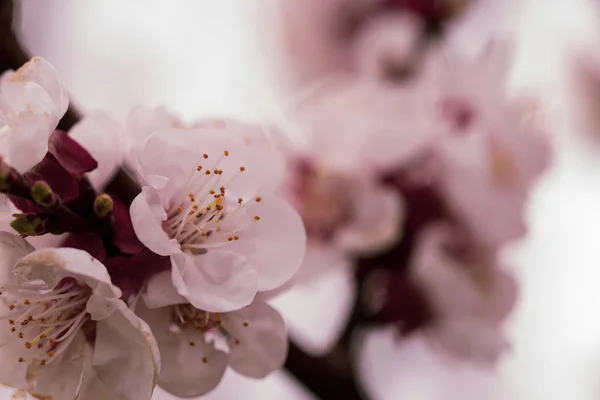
196, 346
469, 293
355, 131
32, 101
484, 158
66, 333
208, 203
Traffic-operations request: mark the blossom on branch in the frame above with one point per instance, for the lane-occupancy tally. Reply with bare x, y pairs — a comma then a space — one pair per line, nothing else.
208, 203
65, 332
32, 101
196, 346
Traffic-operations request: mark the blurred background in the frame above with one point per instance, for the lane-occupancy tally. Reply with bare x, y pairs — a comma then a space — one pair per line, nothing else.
201, 57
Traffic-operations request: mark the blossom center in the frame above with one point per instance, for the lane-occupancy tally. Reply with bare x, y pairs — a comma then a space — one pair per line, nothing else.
198, 210
44, 319
187, 316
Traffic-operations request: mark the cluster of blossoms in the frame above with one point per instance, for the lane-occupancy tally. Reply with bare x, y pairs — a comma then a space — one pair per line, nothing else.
414, 177
120, 293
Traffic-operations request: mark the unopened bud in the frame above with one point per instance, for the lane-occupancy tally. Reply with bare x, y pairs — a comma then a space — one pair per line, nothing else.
103, 205
29, 224
8, 176
43, 195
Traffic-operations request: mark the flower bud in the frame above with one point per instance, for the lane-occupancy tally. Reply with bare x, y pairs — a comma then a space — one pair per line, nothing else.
103, 205
43, 195
8, 176
29, 224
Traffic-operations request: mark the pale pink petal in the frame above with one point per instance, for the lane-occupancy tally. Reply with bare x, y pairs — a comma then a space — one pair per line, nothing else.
380, 128
175, 154
52, 265
63, 378
184, 371
471, 339
126, 357
275, 244
12, 249
103, 137
217, 281
376, 221
12, 373
25, 143
320, 258
142, 122
160, 291
262, 337
147, 215
41, 72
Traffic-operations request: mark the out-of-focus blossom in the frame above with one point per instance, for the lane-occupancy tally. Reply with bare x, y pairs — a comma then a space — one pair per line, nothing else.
66, 333
196, 346
486, 158
344, 214
468, 292
104, 138
32, 101
384, 47
208, 203
316, 40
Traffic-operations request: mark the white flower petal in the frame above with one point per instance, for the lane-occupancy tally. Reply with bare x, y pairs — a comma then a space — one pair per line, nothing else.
12, 249
147, 215
217, 281
104, 138
321, 258
275, 244
44, 74
160, 291
32, 101
184, 372
142, 122
52, 265
63, 378
25, 143
126, 357
175, 154
262, 336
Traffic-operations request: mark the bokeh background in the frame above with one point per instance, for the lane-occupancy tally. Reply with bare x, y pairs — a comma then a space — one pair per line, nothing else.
207, 57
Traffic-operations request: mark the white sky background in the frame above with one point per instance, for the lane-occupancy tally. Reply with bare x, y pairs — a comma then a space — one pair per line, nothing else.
201, 57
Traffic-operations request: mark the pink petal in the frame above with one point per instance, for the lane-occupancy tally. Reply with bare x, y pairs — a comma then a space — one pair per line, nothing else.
183, 371
275, 244
147, 215
218, 281
262, 337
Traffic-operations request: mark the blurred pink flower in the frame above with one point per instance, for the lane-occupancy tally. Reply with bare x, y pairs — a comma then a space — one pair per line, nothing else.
196, 346
468, 292
486, 158
32, 101
208, 203
54, 302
